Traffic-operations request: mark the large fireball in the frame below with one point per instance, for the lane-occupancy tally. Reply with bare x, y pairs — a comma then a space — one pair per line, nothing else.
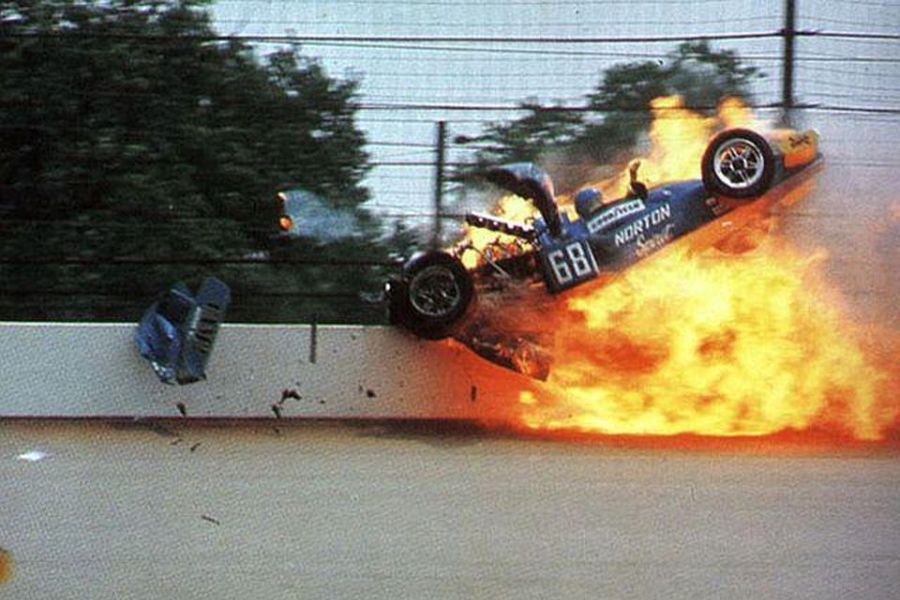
747, 345
706, 343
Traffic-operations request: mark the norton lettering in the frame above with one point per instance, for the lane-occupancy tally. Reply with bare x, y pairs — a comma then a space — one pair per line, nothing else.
614, 215
632, 230
651, 243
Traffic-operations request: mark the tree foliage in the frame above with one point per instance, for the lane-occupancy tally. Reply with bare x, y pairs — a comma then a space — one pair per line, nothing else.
127, 131
616, 113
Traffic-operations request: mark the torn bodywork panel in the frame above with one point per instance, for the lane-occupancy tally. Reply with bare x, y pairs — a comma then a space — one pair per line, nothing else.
177, 333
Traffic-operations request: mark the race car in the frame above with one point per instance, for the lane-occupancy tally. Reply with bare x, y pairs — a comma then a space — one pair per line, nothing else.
742, 171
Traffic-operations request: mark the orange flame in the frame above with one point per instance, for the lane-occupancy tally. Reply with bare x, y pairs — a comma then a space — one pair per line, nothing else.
734, 113
738, 346
478, 242
678, 138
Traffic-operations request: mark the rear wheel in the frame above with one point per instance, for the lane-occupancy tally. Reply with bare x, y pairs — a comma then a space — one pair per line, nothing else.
433, 295
738, 163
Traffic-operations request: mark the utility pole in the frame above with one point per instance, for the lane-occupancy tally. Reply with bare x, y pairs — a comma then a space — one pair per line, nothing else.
440, 150
787, 67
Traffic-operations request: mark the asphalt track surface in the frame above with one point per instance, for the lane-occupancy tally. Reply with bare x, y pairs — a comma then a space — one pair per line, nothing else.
404, 511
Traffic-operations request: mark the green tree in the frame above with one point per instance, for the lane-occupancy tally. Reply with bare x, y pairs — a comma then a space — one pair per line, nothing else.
127, 130
527, 137
614, 115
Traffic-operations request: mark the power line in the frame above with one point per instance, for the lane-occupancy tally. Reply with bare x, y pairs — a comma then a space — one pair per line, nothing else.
370, 102
871, 3
493, 25
505, 3
401, 144
572, 53
854, 109
600, 109
417, 39
891, 100
841, 21
398, 44
834, 70
486, 107
288, 39
849, 35
487, 49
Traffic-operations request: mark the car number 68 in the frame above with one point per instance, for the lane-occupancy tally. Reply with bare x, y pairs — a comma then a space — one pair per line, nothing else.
573, 262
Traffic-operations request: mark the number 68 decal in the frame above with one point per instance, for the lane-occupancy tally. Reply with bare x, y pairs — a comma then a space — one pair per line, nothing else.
573, 262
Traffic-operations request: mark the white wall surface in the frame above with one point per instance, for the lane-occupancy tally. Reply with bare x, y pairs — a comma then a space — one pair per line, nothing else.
94, 370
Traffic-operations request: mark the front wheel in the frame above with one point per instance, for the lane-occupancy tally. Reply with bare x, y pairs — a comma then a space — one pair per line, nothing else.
738, 163
433, 295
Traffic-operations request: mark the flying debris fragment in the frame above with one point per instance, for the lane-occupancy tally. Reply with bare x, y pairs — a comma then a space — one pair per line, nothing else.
6, 566
177, 333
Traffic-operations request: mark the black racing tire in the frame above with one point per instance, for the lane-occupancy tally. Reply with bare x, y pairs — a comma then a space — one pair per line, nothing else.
433, 295
738, 163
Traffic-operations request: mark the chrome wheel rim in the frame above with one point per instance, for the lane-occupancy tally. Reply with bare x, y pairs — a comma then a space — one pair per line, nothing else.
739, 163
434, 291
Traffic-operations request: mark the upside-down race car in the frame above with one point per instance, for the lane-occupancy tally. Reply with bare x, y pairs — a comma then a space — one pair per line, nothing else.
435, 292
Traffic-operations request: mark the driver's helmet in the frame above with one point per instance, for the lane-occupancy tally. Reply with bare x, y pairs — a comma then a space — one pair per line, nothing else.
587, 200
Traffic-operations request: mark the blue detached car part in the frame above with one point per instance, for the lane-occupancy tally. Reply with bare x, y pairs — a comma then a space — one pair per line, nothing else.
435, 292
177, 333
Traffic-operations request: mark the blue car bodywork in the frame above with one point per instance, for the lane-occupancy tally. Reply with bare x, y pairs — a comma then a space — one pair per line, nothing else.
741, 171
177, 333
618, 235
613, 236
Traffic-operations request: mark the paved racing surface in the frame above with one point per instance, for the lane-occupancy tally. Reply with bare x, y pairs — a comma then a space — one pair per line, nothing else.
378, 511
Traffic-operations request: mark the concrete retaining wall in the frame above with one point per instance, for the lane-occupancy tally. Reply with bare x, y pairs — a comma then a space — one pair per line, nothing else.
94, 370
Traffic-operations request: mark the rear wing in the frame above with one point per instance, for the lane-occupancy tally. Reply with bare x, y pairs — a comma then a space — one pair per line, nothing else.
797, 148
529, 181
475, 219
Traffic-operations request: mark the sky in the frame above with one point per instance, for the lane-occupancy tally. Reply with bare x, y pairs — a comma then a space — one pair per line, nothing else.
477, 73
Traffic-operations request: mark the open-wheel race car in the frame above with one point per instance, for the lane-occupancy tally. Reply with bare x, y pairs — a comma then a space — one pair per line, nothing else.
435, 292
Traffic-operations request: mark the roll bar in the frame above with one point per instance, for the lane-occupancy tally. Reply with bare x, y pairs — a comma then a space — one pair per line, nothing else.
529, 181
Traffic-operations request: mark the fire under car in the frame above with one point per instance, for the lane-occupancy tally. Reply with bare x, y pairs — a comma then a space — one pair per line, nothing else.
744, 175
